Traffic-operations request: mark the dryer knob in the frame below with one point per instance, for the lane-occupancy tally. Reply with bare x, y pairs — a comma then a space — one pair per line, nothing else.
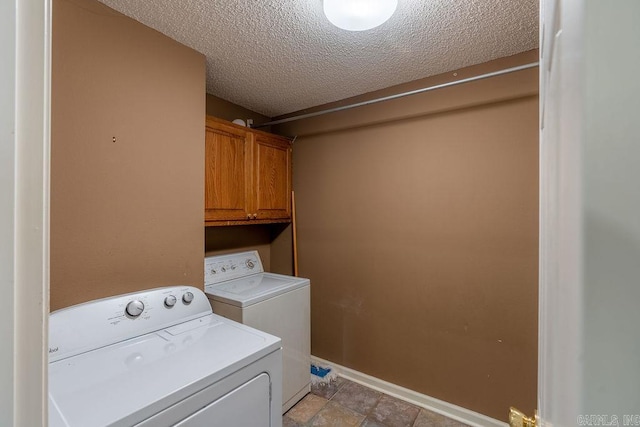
170, 301
187, 298
250, 264
135, 308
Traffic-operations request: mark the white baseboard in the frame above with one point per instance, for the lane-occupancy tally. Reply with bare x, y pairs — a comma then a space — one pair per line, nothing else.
455, 412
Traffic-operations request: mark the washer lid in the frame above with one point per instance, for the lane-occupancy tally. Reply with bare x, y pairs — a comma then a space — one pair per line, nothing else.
253, 289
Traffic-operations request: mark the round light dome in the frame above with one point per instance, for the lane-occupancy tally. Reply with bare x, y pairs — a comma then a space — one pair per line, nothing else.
359, 15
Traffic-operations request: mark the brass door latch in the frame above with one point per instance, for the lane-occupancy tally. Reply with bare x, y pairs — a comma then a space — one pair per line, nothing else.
518, 419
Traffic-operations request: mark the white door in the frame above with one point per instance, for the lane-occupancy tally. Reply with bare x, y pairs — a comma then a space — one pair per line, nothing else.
589, 342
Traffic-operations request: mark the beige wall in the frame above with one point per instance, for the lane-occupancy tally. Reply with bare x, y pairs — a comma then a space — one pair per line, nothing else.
125, 215
226, 110
239, 238
272, 241
418, 227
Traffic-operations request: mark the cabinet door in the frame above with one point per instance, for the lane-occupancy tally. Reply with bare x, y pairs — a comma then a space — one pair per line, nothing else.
227, 179
272, 177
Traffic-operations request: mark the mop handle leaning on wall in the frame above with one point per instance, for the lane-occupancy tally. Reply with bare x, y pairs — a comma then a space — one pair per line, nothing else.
295, 234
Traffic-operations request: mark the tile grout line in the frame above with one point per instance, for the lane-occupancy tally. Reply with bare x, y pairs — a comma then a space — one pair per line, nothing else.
366, 415
310, 421
339, 388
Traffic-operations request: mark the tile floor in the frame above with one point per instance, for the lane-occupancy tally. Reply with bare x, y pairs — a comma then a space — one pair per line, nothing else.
345, 403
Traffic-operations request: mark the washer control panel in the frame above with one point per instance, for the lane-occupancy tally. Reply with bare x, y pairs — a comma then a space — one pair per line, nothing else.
221, 268
95, 324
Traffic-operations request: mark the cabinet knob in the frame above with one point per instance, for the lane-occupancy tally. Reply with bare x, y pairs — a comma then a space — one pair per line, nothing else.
255, 215
248, 216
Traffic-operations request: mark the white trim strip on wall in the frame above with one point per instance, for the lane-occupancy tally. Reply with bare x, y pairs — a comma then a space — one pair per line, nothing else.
441, 407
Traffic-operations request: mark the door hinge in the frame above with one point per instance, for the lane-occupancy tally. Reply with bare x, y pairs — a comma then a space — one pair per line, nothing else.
519, 419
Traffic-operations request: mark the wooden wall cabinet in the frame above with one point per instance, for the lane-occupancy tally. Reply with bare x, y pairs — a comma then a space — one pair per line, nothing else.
247, 175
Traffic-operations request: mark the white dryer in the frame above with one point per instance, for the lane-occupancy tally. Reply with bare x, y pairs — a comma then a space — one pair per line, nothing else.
160, 358
239, 289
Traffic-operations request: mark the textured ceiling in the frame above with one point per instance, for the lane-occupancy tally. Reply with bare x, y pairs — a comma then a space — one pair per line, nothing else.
279, 56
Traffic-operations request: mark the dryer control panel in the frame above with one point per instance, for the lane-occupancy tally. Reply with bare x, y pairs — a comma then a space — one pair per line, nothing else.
99, 323
221, 268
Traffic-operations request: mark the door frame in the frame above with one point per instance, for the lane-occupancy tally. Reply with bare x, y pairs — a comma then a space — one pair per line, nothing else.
24, 218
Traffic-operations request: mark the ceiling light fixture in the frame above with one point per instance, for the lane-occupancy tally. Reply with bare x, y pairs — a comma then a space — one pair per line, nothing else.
359, 15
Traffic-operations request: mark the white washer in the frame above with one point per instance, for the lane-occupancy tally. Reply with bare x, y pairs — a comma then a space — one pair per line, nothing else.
239, 289
160, 358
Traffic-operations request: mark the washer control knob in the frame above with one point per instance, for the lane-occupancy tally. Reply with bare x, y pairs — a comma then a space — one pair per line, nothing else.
170, 301
187, 297
135, 308
250, 264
